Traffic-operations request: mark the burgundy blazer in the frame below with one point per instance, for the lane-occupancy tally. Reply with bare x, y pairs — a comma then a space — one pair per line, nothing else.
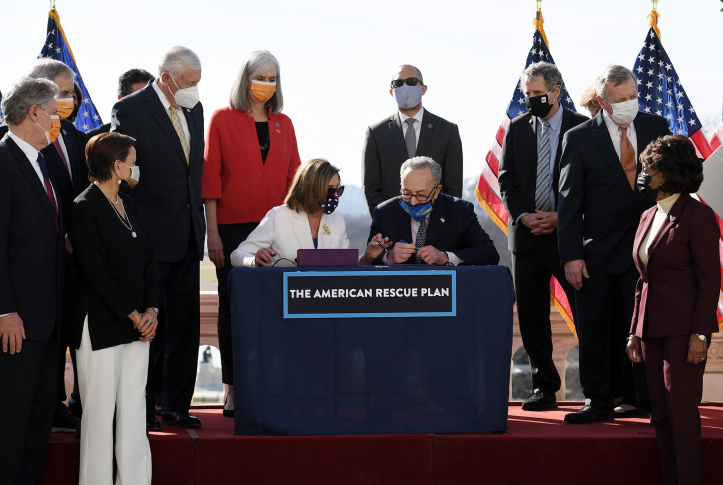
678, 294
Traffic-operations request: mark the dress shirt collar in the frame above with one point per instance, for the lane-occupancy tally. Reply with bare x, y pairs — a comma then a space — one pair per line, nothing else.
161, 95
614, 127
666, 204
26, 147
418, 116
555, 120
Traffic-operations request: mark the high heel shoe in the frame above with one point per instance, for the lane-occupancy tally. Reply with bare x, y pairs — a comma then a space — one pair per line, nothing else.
228, 399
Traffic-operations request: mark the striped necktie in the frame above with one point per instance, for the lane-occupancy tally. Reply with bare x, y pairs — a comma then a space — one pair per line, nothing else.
421, 237
542, 189
179, 129
49, 189
627, 157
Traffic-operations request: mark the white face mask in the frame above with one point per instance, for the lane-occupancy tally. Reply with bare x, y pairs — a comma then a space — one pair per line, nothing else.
186, 97
135, 172
624, 113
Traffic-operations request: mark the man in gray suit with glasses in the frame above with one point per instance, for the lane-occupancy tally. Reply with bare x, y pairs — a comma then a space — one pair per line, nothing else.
390, 142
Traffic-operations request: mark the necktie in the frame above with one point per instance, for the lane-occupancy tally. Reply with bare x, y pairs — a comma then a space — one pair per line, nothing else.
421, 236
179, 129
49, 189
627, 157
411, 138
59, 149
542, 189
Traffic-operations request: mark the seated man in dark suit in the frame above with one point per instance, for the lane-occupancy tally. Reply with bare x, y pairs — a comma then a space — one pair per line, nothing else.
426, 227
389, 142
128, 83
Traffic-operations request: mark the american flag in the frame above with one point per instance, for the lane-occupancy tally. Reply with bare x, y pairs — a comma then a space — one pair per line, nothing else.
660, 92
488, 190
715, 141
57, 47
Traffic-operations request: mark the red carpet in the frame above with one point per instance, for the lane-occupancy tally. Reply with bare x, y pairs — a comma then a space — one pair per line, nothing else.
540, 448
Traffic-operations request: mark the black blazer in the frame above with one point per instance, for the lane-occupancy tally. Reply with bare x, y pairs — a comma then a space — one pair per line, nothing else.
98, 130
168, 195
385, 152
31, 250
66, 189
598, 213
453, 227
115, 272
518, 173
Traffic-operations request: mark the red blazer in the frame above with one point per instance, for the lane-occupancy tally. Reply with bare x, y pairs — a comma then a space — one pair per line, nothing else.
678, 294
233, 171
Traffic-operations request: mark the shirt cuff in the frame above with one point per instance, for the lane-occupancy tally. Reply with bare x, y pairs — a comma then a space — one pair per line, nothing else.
517, 221
454, 259
385, 260
5, 315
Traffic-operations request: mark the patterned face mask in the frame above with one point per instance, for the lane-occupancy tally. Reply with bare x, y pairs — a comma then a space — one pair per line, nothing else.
329, 205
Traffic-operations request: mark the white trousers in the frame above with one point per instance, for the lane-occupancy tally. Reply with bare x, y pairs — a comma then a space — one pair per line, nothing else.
113, 379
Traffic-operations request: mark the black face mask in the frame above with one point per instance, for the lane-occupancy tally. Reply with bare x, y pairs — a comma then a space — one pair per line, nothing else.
74, 114
538, 105
644, 186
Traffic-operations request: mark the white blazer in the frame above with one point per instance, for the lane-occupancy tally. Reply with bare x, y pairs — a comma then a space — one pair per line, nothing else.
285, 231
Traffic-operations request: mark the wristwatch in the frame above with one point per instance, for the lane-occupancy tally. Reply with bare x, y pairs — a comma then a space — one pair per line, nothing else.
155, 310
702, 338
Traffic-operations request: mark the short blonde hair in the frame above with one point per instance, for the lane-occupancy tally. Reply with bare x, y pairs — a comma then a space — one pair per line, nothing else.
589, 100
310, 185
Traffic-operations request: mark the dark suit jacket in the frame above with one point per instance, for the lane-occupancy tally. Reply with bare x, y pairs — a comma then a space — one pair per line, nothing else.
31, 250
98, 130
168, 196
453, 227
598, 212
66, 189
678, 294
115, 271
517, 174
385, 152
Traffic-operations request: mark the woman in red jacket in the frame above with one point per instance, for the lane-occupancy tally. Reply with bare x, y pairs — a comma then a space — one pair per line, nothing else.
250, 161
676, 252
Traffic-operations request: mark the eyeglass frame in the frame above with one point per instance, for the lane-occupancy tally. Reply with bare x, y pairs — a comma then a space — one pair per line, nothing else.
401, 82
418, 197
646, 166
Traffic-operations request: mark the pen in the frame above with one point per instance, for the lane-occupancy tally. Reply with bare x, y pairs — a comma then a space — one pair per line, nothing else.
405, 242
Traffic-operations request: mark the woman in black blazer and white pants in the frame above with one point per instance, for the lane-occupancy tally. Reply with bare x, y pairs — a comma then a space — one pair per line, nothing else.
113, 317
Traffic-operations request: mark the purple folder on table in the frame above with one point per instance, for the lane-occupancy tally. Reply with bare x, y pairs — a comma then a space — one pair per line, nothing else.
327, 257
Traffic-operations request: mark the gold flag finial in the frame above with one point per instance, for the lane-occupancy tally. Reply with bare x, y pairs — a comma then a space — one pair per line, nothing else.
653, 17
539, 21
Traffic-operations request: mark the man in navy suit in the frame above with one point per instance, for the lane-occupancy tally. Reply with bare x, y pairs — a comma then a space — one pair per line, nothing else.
32, 238
128, 83
598, 215
166, 119
426, 227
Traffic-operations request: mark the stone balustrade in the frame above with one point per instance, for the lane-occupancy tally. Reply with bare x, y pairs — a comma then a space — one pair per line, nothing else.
562, 340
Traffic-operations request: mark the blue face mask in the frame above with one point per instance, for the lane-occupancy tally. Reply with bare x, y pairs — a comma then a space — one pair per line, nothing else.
418, 212
329, 205
408, 97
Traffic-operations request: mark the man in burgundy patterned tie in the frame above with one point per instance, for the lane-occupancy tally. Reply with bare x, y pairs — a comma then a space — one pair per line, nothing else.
31, 280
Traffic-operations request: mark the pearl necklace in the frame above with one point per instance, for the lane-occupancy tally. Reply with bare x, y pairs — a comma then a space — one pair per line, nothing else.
128, 226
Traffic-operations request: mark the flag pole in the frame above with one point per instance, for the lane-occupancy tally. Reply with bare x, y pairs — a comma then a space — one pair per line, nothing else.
539, 20
52, 4
653, 17
539, 9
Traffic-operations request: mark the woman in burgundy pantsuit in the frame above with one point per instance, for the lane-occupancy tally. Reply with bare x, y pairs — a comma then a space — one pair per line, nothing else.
676, 252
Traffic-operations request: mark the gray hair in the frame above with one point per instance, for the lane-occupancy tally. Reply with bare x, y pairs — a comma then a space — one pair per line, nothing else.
176, 58
256, 63
615, 75
548, 71
419, 163
50, 69
23, 94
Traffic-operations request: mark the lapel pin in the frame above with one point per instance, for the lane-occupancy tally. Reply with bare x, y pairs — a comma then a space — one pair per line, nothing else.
327, 232
188, 109
64, 133
277, 125
442, 219
672, 218
430, 125
278, 131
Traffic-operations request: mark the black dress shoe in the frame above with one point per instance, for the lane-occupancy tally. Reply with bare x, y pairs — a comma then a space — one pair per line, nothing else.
63, 421
540, 401
588, 414
228, 413
76, 409
652, 419
152, 424
630, 413
183, 420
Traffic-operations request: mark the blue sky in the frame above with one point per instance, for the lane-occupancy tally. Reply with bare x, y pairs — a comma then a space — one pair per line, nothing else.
337, 57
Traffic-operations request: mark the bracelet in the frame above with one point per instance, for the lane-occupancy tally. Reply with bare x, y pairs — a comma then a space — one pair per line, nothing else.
630, 337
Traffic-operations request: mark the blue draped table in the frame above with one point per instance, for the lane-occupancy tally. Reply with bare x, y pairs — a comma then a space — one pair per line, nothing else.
327, 376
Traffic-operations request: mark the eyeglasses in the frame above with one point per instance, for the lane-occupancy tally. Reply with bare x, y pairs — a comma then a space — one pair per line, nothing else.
422, 199
337, 191
647, 168
412, 81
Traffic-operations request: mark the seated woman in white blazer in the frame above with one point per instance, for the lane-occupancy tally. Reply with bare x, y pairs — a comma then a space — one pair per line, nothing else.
305, 221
